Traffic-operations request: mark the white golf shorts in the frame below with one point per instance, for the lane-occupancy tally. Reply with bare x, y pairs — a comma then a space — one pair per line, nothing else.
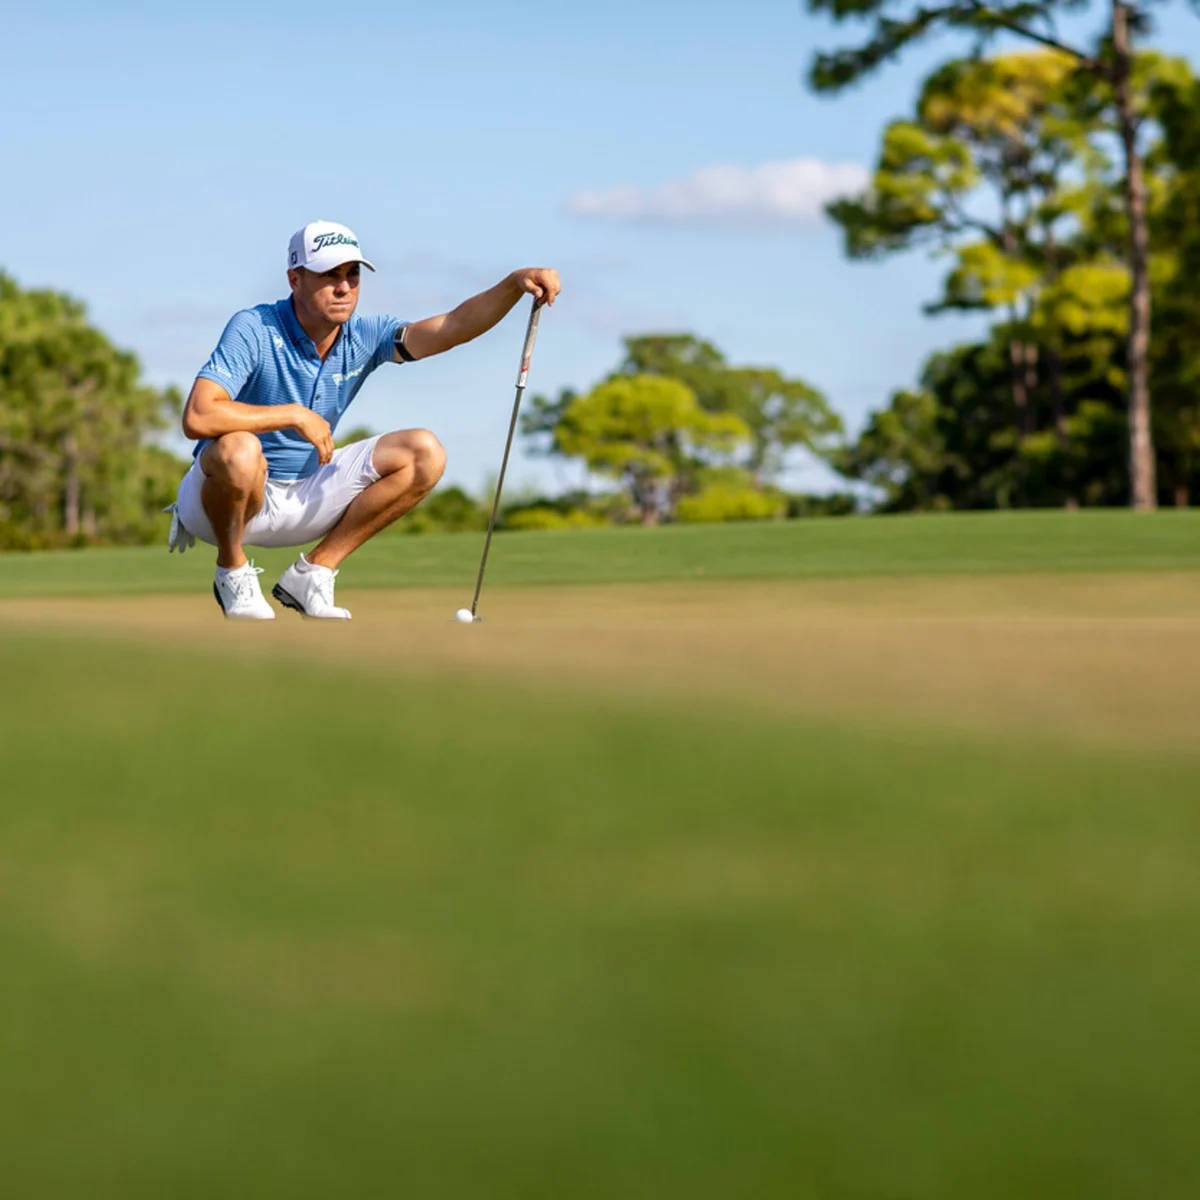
292, 513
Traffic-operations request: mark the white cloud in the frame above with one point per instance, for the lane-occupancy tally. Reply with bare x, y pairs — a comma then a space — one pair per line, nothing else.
788, 193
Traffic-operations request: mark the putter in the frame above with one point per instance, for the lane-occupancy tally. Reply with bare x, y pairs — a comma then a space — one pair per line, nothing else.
526, 355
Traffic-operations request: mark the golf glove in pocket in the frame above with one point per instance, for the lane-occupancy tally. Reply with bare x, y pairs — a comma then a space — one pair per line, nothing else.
180, 537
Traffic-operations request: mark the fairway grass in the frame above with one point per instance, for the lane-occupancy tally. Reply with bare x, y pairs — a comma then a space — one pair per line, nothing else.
1069, 659
854, 547
866, 877
301, 930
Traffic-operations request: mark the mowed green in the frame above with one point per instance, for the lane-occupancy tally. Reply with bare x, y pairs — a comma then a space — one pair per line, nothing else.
833, 547
834, 859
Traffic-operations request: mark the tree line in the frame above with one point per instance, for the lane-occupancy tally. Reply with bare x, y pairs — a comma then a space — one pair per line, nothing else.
1038, 413
685, 434
77, 465
1088, 153
1060, 182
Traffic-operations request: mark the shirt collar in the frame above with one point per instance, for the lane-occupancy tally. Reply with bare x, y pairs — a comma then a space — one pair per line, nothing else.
287, 317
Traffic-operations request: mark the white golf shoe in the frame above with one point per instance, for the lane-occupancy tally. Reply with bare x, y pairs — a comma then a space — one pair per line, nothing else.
239, 595
308, 588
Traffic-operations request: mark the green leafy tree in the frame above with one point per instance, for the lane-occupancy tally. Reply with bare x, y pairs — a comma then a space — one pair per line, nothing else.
730, 494
650, 433
902, 452
74, 462
447, 510
1175, 349
951, 443
1109, 66
779, 412
746, 417
979, 172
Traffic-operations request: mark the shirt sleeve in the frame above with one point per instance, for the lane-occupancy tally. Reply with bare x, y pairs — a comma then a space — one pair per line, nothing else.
236, 358
381, 336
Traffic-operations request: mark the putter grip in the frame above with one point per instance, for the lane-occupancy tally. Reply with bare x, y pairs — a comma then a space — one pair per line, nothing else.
530, 338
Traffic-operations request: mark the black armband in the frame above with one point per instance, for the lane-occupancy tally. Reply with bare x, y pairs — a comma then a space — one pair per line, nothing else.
401, 348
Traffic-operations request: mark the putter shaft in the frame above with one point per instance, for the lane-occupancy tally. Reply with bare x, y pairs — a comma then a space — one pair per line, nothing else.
526, 356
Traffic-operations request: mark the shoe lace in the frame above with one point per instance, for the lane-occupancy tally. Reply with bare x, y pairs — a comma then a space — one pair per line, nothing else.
244, 583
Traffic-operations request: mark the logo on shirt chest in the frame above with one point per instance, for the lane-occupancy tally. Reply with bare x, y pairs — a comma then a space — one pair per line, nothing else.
339, 378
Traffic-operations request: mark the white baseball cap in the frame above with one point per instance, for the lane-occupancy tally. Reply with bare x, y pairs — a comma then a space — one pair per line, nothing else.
322, 245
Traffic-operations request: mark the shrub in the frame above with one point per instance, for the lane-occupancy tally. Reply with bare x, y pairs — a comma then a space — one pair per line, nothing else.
543, 516
447, 510
730, 502
835, 504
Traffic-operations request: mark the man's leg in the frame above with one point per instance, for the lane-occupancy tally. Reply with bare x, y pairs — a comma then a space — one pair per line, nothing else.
235, 476
409, 464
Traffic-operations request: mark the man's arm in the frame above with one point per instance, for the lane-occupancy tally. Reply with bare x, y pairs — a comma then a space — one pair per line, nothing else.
478, 314
210, 412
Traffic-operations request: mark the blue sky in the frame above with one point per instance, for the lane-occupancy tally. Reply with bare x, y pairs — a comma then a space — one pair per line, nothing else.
164, 155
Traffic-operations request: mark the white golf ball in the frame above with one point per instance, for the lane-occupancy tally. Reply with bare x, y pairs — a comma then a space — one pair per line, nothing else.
464, 616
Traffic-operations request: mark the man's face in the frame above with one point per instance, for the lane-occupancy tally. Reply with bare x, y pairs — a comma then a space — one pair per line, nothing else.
330, 296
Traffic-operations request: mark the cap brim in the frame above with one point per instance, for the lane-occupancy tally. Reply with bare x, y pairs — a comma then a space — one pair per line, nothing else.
352, 258
320, 264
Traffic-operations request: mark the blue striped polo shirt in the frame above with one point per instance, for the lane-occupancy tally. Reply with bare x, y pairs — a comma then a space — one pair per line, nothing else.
265, 357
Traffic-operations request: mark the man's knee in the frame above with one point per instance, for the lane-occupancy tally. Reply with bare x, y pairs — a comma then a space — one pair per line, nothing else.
415, 448
429, 457
234, 460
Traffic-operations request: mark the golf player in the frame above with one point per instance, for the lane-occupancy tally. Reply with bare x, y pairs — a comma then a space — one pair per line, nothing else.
265, 406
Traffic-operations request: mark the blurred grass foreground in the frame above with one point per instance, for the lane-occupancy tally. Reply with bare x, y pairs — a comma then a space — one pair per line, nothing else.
863, 880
